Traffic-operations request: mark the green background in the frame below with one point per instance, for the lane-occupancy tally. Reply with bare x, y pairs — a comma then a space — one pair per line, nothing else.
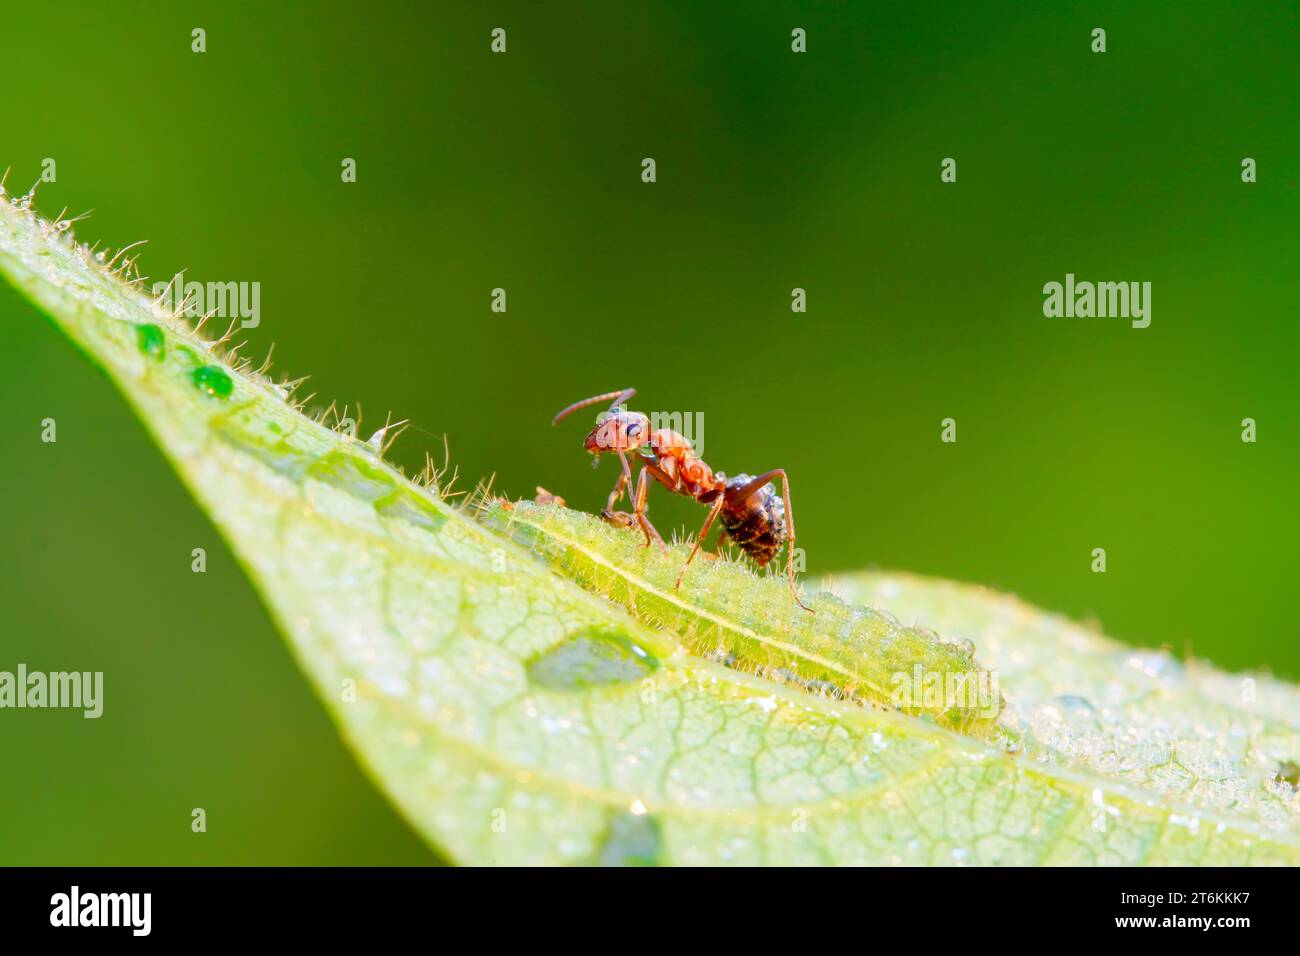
522, 171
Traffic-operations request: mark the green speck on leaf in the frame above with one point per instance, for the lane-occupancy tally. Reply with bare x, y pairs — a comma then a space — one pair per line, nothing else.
151, 339
213, 381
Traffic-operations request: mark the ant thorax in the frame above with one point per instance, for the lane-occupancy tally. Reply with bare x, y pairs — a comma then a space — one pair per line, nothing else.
669, 444
688, 472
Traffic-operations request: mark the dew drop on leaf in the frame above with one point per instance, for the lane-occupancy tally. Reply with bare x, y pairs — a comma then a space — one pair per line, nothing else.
589, 659
1289, 772
631, 840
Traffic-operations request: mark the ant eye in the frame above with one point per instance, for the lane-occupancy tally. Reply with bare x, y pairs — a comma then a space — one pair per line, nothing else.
633, 431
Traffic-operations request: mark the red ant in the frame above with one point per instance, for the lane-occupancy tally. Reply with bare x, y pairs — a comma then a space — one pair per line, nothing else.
752, 514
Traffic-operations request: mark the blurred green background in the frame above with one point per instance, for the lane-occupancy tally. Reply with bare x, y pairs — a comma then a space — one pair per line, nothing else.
522, 171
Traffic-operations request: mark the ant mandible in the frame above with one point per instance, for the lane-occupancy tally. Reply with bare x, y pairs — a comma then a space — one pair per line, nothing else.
752, 514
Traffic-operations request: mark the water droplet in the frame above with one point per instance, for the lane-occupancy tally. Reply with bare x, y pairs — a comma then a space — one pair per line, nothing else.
1074, 704
359, 478
187, 355
280, 457
151, 339
589, 659
631, 840
213, 381
1289, 771
408, 507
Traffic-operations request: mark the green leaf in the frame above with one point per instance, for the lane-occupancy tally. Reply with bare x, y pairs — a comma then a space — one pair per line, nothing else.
531, 688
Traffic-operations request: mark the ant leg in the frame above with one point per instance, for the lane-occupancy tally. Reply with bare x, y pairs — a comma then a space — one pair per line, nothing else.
638, 508
619, 519
752, 487
704, 532
619, 398
616, 493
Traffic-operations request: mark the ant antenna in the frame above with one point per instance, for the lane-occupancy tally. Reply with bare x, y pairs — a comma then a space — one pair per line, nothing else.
618, 397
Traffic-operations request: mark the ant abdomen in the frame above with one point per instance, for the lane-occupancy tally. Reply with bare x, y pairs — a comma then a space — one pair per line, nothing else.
756, 524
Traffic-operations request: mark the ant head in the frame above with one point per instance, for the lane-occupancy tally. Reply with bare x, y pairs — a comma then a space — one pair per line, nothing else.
618, 430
